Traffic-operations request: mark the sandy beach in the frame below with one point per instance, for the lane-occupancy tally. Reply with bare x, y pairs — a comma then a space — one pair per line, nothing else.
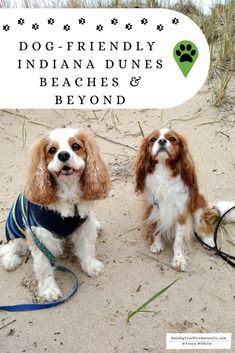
95, 320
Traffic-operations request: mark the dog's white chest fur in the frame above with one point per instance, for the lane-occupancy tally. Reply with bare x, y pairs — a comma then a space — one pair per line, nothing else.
168, 194
69, 196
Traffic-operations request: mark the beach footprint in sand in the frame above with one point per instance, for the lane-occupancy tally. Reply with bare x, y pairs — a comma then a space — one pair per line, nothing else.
185, 54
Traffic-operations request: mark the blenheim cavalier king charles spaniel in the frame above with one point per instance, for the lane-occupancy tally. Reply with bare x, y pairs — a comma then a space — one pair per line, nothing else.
166, 175
65, 175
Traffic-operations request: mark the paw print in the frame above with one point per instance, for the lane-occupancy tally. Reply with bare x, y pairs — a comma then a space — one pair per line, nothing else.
128, 26
175, 21
20, 21
160, 28
6, 28
81, 21
66, 28
99, 28
51, 21
186, 52
144, 21
114, 21
35, 26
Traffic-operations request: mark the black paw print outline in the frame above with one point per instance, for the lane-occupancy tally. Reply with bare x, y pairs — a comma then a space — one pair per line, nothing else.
128, 26
66, 27
160, 27
114, 21
144, 21
99, 28
6, 28
175, 21
21, 21
51, 21
186, 53
81, 21
35, 26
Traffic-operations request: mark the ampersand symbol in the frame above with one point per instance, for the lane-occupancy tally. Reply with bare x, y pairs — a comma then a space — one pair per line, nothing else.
135, 81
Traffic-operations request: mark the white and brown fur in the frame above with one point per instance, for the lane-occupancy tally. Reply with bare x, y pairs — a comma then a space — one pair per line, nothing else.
174, 207
48, 184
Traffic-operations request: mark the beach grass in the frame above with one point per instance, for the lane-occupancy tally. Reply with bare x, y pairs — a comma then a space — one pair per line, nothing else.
218, 27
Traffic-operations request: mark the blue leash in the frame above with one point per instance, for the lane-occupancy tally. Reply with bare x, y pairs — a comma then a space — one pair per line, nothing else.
52, 259
41, 306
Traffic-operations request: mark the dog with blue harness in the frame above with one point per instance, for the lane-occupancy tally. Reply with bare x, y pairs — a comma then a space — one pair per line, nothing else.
25, 214
66, 175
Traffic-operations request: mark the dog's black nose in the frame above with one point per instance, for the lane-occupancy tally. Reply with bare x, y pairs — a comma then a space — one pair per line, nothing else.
63, 156
162, 142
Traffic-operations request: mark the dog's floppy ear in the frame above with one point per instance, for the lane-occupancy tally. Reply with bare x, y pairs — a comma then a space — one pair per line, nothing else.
143, 163
188, 171
40, 185
95, 183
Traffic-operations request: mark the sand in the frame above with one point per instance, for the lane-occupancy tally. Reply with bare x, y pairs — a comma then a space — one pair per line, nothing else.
95, 320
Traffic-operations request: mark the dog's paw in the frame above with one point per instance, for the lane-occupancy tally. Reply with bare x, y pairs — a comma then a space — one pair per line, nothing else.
156, 248
93, 268
179, 263
50, 293
209, 241
10, 262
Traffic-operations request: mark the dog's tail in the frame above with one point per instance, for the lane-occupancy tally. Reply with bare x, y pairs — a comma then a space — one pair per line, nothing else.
224, 206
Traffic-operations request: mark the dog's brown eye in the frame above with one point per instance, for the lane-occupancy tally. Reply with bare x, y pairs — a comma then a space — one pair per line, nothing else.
52, 150
153, 139
75, 146
172, 139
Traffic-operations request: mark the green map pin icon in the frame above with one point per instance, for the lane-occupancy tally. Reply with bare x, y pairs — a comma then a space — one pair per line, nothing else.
185, 54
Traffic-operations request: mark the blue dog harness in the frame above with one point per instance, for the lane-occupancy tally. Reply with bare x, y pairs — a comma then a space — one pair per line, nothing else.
24, 214
27, 214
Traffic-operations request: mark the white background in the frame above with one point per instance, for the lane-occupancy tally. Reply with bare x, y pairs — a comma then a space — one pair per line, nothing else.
162, 88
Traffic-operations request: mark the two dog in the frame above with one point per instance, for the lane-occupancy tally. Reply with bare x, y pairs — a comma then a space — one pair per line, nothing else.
66, 173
